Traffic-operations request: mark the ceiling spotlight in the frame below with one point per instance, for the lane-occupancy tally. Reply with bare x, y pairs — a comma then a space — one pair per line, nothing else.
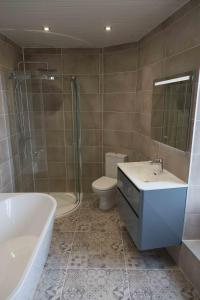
46, 28
108, 28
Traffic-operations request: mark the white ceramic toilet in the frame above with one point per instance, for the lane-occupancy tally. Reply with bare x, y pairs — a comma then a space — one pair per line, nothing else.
105, 186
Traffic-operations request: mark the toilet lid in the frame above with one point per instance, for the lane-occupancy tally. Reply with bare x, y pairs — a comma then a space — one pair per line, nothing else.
104, 183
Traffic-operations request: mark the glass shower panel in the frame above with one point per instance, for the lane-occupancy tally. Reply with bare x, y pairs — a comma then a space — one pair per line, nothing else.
47, 110
75, 88
23, 168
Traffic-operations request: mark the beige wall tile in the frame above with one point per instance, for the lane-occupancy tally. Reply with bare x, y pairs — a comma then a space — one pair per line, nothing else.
188, 60
57, 185
91, 154
183, 33
56, 169
121, 60
56, 154
80, 63
90, 102
118, 121
55, 138
175, 161
91, 170
53, 102
120, 82
120, 102
91, 137
90, 120
89, 84
41, 186
54, 120
148, 74
151, 50
117, 138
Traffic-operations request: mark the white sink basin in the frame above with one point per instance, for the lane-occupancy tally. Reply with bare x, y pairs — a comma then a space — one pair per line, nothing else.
146, 176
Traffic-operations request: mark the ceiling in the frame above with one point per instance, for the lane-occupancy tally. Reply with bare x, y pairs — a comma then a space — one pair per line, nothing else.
80, 23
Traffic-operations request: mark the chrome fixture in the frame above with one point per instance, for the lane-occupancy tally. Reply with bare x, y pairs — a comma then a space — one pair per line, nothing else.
159, 161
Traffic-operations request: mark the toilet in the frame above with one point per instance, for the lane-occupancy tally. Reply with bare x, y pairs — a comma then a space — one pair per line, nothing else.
105, 187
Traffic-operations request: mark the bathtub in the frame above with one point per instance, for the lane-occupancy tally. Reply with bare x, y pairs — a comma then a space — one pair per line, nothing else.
26, 222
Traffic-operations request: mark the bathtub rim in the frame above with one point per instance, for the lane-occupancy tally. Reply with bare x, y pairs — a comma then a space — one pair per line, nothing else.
4, 197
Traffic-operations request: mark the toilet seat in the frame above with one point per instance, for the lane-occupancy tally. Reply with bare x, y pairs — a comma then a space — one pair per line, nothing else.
104, 183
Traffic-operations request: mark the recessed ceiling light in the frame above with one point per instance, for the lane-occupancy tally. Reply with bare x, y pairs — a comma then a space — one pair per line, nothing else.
108, 28
46, 28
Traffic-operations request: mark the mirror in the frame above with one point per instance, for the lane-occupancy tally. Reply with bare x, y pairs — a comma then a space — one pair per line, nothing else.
171, 110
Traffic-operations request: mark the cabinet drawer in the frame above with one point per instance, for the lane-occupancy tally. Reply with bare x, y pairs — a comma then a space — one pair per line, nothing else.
129, 191
129, 217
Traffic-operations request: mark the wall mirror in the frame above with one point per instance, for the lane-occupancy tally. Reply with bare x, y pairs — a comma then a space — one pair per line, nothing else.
171, 110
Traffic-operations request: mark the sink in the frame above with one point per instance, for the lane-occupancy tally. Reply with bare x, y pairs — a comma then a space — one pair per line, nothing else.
148, 176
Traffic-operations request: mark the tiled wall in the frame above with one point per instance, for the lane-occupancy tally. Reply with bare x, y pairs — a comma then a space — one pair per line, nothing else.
116, 91
119, 98
129, 72
51, 116
172, 48
9, 154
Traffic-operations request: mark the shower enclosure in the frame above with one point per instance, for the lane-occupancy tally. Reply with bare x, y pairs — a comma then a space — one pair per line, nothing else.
47, 150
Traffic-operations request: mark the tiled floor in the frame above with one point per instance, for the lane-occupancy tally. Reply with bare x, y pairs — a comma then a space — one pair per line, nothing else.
92, 258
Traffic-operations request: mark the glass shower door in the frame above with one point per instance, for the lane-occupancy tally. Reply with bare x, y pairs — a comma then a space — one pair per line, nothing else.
75, 87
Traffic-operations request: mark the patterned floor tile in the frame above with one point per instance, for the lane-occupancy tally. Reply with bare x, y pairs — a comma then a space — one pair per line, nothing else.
57, 261
95, 285
88, 244
153, 259
67, 223
61, 243
157, 284
95, 220
89, 201
50, 285
97, 250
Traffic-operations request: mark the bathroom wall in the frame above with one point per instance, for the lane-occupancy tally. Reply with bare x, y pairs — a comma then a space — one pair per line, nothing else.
10, 54
119, 99
166, 51
129, 71
50, 108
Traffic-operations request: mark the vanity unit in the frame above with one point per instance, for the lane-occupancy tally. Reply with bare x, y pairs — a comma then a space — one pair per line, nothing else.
151, 204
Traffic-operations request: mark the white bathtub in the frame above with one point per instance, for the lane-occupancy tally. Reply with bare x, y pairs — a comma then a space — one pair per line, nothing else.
26, 222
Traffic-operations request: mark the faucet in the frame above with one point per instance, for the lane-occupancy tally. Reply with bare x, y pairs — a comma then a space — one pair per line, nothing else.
159, 161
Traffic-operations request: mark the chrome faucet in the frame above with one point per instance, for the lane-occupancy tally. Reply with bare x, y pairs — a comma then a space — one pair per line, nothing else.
159, 161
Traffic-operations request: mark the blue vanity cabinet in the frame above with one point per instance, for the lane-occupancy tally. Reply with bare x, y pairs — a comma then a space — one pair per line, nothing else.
153, 218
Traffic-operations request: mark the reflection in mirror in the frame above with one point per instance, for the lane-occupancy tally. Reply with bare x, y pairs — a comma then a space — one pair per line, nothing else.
171, 110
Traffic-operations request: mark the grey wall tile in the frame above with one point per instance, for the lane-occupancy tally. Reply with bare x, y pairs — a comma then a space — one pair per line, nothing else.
120, 82
118, 121
121, 60
177, 39
151, 50
186, 61
80, 63
121, 102
117, 138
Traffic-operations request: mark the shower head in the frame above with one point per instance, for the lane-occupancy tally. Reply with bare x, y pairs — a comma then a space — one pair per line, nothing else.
20, 76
